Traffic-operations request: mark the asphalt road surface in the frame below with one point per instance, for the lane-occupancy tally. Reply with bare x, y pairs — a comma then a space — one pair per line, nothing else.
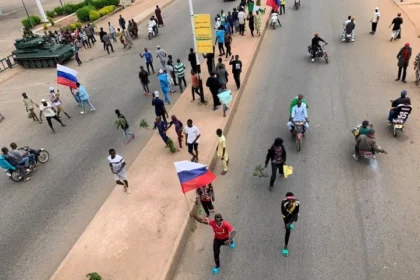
42, 219
357, 221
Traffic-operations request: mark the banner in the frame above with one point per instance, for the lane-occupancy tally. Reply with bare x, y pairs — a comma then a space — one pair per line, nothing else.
203, 33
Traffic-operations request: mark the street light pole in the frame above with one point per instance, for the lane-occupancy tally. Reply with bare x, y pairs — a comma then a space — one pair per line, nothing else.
200, 81
29, 18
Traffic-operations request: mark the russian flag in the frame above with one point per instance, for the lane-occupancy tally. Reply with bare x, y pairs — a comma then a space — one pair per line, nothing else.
275, 4
193, 175
66, 76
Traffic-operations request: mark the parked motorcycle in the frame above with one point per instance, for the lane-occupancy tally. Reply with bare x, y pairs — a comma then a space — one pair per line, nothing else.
321, 52
297, 133
275, 20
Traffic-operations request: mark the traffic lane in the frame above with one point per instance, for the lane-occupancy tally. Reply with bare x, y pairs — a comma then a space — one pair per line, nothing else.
79, 181
347, 225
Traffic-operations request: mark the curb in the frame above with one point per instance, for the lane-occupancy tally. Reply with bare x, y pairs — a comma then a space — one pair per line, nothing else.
401, 6
187, 228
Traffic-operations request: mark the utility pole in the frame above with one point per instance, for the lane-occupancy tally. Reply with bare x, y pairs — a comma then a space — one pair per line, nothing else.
27, 14
41, 11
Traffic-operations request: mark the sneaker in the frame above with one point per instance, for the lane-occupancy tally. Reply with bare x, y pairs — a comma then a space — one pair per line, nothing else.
373, 156
233, 244
93, 110
223, 172
215, 271
82, 113
27, 179
352, 40
285, 252
313, 59
292, 226
354, 156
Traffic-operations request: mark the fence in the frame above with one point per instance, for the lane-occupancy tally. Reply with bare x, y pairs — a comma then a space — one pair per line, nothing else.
6, 63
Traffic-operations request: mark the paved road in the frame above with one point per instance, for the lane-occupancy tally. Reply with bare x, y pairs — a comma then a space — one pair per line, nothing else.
42, 219
357, 221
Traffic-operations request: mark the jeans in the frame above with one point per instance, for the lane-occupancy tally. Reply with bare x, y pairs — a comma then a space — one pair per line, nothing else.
107, 48
404, 72
24, 161
228, 50
127, 133
274, 167
92, 39
145, 87
180, 80
241, 29
207, 206
84, 102
221, 49
151, 66
374, 25
76, 56
165, 93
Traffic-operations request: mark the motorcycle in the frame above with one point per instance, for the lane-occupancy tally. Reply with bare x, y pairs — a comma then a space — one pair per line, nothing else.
275, 21
321, 52
398, 122
347, 37
152, 32
17, 175
41, 155
297, 4
297, 133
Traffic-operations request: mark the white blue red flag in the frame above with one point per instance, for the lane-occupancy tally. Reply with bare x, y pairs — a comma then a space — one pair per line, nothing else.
193, 175
66, 76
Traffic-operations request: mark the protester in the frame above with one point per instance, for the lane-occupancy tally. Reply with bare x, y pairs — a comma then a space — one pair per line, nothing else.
122, 38
84, 38
283, 7
101, 36
277, 155
223, 235
396, 29
290, 211
192, 58
241, 21
160, 109
210, 61
214, 86
117, 165
375, 20
222, 75
221, 151
112, 32
170, 71
162, 127
56, 102
47, 109
75, 48
148, 58
417, 68
195, 85
121, 22
135, 29
171, 63
164, 85
158, 14
258, 22
128, 39
251, 23
144, 80
180, 73
205, 195
231, 22
90, 33
161, 54
220, 40
228, 45
179, 127
8, 163
235, 20
192, 135
29, 106
123, 123
107, 43
84, 98
236, 70
403, 57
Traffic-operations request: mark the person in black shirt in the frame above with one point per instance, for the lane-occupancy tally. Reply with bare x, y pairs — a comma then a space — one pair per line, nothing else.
277, 155
213, 85
290, 211
401, 100
144, 79
210, 61
235, 20
403, 110
193, 60
315, 45
396, 29
101, 35
236, 70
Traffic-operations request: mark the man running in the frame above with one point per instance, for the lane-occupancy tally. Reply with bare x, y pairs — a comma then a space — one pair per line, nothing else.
290, 211
223, 235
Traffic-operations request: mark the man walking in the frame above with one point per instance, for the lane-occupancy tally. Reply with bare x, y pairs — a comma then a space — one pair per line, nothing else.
396, 29
121, 22
112, 32
161, 54
160, 109
162, 127
228, 44
192, 58
241, 20
236, 70
375, 20
171, 63
179, 127
75, 48
107, 43
117, 165
148, 58
90, 33
220, 39
277, 155
101, 36
403, 57
195, 87
213, 86
283, 7
122, 122
180, 73
29, 106
192, 135
49, 113
221, 150
56, 102
210, 61
223, 235
144, 80
84, 98
205, 195
290, 211
164, 85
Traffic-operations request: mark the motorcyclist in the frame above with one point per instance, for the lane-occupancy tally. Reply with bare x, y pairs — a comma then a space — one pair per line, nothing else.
295, 101
362, 129
275, 16
367, 143
401, 100
345, 25
299, 114
315, 45
8, 163
402, 111
350, 29
21, 156
152, 23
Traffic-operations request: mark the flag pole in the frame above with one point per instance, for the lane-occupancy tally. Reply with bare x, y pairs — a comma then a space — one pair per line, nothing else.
188, 204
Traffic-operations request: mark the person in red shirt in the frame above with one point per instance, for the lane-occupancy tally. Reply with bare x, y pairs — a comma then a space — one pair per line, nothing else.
403, 57
223, 235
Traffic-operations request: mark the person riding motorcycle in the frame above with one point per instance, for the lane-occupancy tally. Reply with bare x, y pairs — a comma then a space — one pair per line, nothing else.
152, 23
275, 16
367, 143
345, 25
9, 163
362, 129
350, 29
299, 114
21, 155
315, 45
295, 101
402, 111
401, 100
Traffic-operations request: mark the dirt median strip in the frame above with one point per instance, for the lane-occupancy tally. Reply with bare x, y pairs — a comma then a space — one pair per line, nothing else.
143, 235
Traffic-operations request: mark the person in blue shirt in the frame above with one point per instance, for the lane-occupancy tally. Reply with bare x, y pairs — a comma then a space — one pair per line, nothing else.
7, 162
164, 85
160, 109
161, 126
148, 58
84, 98
220, 39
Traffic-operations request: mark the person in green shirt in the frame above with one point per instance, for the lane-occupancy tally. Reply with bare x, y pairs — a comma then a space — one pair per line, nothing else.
364, 128
295, 102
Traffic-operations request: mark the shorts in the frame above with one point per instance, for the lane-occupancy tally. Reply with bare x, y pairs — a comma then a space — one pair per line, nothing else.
191, 146
122, 175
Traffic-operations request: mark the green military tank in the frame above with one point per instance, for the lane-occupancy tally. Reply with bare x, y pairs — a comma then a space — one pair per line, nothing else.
34, 51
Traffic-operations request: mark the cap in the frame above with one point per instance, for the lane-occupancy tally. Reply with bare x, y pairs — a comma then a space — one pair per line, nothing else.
407, 44
403, 93
43, 100
160, 71
158, 47
316, 34
376, 8
156, 93
371, 131
51, 89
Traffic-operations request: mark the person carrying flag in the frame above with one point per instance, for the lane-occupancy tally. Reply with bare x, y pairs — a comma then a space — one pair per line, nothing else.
290, 211
223, 235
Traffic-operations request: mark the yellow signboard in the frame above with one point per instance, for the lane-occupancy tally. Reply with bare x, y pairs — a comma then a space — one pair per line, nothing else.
203, 33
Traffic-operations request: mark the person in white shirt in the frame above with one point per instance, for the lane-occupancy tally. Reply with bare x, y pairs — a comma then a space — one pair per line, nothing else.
192, 134
299, 114
56, 102
375, 20
241, 19
345, 25
117, 165
112, 32
49, 113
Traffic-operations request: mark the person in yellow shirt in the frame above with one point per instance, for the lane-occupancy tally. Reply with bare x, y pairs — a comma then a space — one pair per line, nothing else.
221, 150
283, 7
